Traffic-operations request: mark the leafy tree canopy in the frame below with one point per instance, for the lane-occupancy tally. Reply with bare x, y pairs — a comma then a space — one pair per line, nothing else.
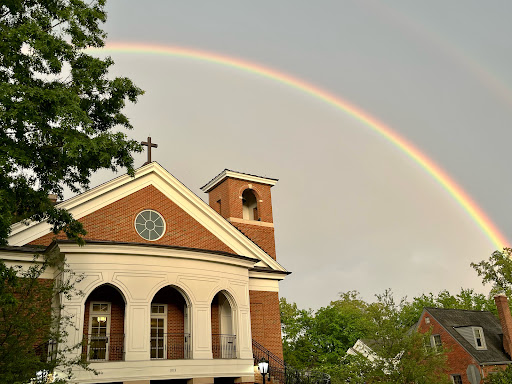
320, 339
32, 323
497, 271
58, 109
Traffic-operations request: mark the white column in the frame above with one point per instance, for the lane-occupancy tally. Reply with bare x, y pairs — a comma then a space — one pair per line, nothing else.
201, 332
137, 331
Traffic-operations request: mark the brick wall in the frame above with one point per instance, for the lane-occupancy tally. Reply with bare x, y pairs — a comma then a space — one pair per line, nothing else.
262, 236
229, 192
115, 222
215, 321
457, 358
266, 320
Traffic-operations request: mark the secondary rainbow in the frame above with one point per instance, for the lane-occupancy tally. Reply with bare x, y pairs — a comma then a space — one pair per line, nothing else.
477, 215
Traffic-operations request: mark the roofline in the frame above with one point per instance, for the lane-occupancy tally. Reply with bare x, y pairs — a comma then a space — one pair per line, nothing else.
237, 175
164, 246
269, 270
496, 362
24, 248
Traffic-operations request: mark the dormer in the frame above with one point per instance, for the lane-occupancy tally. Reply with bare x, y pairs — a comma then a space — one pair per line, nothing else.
245, 201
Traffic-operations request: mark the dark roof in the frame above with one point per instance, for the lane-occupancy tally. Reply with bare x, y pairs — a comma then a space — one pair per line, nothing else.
451, 319
23, 248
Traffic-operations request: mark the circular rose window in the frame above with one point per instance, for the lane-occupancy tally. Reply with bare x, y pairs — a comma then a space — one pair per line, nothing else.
150, 225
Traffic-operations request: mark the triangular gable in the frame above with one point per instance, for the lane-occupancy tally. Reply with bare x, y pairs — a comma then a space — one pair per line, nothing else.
151, 188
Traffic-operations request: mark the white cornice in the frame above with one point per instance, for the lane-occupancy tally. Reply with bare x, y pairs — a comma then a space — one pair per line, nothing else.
150, 174
144, 250
237, 175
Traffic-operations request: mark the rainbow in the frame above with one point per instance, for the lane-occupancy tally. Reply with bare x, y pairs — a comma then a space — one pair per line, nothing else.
461, 197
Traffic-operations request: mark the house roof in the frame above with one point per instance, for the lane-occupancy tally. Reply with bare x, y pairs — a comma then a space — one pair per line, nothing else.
453, 319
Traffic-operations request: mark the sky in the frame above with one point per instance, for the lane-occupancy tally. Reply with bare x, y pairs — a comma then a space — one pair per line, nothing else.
352, 211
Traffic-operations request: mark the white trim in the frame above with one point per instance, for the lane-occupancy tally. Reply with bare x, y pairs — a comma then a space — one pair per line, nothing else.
236, 175
92, 314
158, 316
143, 250
159, 217
251, 222
482, 338
150, 174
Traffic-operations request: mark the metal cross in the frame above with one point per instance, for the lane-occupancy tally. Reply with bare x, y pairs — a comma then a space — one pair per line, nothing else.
149, 144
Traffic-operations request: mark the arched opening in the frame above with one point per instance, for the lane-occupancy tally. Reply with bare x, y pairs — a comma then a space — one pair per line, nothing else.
170, 325
250, 205
223, 328
104, 315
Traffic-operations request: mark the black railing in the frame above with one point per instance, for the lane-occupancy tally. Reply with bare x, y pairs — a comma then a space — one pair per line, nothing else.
103, 347
224, 346
279, 371
171, 346
47, 351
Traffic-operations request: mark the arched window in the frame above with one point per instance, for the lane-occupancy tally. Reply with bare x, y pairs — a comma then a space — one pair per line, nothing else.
170, 327
250, 205
104, 325
223, 329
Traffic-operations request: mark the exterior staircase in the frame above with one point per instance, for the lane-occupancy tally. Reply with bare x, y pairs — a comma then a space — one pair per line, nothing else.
280, 373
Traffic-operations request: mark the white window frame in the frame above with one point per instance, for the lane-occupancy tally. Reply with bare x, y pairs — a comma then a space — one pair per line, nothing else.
433, 342
93, 313
482, 338
164, 317
453, 378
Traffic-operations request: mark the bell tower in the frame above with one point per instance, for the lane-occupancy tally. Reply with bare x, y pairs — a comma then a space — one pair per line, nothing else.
245, 201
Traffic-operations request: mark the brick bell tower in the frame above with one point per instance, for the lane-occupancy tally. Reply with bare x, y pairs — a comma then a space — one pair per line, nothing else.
245, 201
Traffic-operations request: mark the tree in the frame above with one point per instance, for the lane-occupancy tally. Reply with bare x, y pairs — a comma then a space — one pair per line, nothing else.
400, 350
500, 377
32, 323
311, 340
320, 340
497, 271
59, 120
58, 109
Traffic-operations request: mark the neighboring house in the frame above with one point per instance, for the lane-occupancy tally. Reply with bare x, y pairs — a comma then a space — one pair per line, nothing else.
174, 288
365, 347
477, 342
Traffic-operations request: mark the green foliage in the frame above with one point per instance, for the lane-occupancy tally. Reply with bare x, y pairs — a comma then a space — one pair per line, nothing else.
319, 340
311, 340
31, 322
58, 109
497, 271
500, 377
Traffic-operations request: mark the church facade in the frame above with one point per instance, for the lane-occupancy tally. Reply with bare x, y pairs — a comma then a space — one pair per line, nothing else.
173, 288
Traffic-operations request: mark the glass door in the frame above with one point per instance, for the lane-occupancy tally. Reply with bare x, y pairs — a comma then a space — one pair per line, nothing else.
158, 334
99, 331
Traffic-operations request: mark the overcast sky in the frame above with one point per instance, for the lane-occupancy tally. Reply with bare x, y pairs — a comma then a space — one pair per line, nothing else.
351, 211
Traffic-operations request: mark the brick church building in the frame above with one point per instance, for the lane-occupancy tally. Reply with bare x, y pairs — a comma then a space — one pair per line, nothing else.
174, 288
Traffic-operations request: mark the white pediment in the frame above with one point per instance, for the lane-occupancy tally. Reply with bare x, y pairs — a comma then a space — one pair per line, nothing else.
151, 174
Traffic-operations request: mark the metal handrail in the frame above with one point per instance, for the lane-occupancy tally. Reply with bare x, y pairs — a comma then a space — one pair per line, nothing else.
109, 347
223, 346
278, 370
171, 346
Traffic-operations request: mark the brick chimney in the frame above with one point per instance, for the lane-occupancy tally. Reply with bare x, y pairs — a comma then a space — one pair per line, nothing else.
245, 201
505, 320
